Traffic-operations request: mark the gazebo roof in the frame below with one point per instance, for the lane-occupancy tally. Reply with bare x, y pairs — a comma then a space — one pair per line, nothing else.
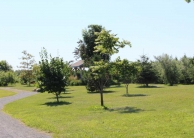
77, 64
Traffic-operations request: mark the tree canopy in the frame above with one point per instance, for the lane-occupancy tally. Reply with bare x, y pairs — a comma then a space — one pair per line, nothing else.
4, 66
170, 69
85, 49
147, 73
26, 66
126, 70
53, 75
188, 1
106, 44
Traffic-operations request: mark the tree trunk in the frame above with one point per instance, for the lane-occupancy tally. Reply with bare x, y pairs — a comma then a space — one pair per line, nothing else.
57, 97
146, 84
101, 97
127, 89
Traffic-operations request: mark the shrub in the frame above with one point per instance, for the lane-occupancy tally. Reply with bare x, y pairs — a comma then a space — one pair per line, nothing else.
7, 77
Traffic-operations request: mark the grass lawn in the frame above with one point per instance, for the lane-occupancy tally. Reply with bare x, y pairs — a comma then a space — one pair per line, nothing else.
22, 87
148, 112
4, 93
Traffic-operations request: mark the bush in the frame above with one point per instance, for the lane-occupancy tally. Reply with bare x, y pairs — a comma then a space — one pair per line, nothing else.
7, 77
115, 82
73, 81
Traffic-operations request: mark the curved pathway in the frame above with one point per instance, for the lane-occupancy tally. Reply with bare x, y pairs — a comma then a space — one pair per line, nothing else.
12, 128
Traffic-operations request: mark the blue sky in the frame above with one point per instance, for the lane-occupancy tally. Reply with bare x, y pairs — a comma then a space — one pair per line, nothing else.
153, 27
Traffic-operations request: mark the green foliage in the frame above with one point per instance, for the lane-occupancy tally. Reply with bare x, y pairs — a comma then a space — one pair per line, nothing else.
85, 49
54, 74
160, 112
26, 66
186, 67
74, 81
4, 66
126, 70
36, 73
170, 69
147, 74
106, 44
8, 77
188, 1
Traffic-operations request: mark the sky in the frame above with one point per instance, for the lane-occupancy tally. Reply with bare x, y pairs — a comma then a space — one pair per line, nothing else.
153, 27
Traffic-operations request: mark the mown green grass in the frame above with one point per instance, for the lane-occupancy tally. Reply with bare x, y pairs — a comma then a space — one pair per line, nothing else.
5, 93
22, 87
148, 112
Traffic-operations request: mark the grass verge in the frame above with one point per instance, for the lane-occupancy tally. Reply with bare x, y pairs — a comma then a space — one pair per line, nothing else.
5, 93
22, 87
161, 111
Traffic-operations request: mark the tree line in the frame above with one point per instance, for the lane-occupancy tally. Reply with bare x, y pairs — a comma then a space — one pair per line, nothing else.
53, 74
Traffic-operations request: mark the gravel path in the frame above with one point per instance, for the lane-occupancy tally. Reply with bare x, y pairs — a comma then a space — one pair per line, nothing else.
12, 128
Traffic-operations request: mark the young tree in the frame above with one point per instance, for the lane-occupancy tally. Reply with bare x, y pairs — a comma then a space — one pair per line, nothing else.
26, 66
126, 70
106, 44
147, 74
53, 74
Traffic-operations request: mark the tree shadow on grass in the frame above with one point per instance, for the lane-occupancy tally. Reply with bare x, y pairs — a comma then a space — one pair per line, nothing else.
134, 95
126, 109
61, 97
56, 103
149, 87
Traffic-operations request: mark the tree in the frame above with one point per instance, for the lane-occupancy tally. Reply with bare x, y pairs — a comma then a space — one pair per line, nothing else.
147, 74
26, 66
126, 70
187, 69
7, 76
85, 49
4, 66
53, 74
170, 69
188, 1
106, 44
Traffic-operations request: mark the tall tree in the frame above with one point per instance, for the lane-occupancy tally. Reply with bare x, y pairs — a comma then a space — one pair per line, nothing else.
170, 68
187, 69
53, 74
106, 44
85, 49
26, 66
